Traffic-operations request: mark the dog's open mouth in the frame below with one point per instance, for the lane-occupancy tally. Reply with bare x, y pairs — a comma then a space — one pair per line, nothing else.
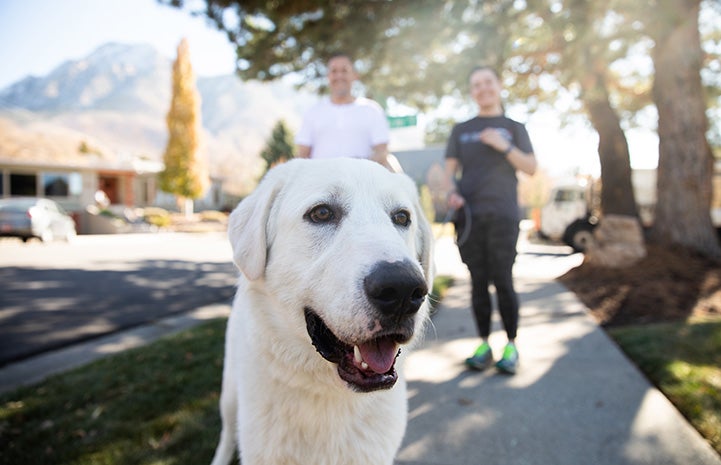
366, 367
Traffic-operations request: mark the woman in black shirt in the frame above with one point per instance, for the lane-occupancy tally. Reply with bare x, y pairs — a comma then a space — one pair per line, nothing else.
486, 151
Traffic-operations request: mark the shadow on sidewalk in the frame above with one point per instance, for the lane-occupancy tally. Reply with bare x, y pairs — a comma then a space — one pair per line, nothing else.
576, 398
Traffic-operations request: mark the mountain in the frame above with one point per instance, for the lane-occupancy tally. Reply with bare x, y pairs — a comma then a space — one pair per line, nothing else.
117, 98
115, 77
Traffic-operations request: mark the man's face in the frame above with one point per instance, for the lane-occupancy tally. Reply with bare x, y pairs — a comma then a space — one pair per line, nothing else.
340, 76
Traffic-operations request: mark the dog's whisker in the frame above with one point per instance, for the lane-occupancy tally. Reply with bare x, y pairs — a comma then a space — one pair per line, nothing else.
432, 325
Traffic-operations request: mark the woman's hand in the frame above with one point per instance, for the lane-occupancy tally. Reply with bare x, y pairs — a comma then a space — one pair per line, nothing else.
455, 201
494, 138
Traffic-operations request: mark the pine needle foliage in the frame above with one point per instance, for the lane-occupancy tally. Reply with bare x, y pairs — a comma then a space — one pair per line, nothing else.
279, 147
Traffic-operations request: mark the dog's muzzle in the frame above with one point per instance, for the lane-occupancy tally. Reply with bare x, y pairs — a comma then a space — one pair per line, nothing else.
396, 290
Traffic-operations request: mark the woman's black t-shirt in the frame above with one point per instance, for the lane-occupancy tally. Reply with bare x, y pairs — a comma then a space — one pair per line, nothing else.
488, 181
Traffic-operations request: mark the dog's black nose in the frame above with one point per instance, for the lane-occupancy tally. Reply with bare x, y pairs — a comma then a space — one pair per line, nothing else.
396, 288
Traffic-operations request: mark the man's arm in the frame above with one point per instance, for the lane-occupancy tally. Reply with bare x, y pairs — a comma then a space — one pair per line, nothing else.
380, 154
303, 151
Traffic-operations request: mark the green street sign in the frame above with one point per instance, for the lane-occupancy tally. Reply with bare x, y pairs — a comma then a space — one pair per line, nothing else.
402, 121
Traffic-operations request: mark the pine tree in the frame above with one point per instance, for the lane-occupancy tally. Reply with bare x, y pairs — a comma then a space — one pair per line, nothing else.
186, 172
279, 147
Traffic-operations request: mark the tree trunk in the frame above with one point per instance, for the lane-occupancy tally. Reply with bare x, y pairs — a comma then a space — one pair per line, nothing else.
618, 239
685, 166
188, 207
617, 197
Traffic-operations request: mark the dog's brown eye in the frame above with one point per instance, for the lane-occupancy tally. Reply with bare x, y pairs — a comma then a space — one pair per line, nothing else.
321, 214
401, 218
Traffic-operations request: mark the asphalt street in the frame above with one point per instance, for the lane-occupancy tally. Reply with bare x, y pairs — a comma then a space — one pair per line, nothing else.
55, 294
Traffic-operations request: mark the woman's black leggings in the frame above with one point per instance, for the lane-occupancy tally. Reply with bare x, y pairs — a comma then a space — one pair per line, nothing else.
489, 252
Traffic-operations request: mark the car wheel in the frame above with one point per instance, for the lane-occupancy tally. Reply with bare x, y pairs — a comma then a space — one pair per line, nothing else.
579, 235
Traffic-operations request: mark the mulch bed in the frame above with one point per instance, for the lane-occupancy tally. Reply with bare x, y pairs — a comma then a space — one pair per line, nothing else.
669, 284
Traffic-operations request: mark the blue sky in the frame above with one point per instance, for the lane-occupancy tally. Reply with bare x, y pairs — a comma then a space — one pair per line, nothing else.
38, 35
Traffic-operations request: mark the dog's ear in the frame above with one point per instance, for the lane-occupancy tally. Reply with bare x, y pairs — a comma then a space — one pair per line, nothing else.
248, 225
424, 239
425, 244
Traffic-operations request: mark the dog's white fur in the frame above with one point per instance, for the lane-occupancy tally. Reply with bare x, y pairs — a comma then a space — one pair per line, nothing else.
281, 402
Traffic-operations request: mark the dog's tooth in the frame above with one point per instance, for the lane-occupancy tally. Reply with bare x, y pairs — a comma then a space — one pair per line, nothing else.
357, 354
364, 365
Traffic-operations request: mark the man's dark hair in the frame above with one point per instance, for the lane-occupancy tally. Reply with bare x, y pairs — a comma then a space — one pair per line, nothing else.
340, 54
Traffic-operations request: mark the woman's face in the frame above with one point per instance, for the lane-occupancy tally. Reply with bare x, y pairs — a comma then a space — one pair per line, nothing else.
485, 88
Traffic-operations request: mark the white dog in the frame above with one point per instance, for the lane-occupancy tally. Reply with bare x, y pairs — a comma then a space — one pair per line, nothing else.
336, 265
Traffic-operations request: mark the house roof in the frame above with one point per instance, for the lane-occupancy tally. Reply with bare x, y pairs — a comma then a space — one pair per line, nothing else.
33, 143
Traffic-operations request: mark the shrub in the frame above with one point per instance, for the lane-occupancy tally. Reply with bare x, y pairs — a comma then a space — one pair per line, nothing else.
213, 216
157, 217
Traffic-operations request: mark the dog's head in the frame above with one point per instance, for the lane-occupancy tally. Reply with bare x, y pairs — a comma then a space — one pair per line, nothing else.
343, 245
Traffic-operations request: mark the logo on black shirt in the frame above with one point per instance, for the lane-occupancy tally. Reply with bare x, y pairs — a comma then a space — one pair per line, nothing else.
475, 136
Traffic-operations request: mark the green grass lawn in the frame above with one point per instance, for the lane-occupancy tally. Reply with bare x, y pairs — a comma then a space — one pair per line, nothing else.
684, 361
153, 405
440, 288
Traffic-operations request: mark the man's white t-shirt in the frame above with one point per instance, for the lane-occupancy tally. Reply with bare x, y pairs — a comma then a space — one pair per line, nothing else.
348, 130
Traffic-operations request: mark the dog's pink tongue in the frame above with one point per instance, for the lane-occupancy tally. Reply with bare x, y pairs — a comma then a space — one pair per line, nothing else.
379, 354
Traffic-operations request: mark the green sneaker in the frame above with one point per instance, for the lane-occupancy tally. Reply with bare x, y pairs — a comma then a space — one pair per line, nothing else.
482, 358
509, 362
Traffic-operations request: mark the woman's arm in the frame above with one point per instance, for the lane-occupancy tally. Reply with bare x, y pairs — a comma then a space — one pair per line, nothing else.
455, 200
519, 159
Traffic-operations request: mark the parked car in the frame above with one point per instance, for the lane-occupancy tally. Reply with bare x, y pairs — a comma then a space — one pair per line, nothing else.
28, 217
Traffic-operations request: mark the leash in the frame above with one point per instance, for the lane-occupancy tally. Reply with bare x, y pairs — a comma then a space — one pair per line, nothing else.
462, 235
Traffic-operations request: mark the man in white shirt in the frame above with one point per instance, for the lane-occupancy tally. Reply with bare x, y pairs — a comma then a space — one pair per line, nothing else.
343, 125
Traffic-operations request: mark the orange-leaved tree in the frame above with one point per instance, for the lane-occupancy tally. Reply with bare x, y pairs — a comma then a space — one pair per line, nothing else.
186, 171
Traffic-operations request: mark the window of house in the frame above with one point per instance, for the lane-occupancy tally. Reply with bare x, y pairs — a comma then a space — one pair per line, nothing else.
23, 184
149, 191
56, 185
61, 184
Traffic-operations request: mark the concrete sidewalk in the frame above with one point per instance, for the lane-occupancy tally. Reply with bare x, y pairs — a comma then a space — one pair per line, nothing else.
576, 398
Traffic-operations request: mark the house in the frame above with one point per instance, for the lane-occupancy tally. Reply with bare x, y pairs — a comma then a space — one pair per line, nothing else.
38, 158
41, 160
74, 186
